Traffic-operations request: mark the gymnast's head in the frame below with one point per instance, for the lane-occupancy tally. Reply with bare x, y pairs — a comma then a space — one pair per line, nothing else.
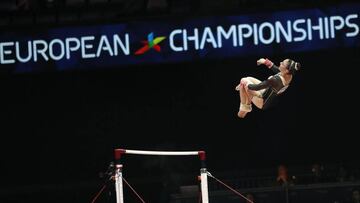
289, 66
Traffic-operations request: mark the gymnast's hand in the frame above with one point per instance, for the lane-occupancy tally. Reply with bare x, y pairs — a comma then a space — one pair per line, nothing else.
260, 61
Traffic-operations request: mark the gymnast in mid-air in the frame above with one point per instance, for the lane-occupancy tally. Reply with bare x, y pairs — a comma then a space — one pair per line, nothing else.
259, 93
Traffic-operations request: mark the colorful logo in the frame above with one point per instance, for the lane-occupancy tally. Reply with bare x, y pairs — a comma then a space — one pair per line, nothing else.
151, 43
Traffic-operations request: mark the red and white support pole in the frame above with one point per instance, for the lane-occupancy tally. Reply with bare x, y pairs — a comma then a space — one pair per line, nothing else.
118, 176
203, 176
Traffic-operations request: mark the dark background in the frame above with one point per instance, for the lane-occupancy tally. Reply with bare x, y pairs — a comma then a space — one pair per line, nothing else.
59, 130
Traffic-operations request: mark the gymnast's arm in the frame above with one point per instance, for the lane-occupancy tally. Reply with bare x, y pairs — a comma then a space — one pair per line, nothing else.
268, 64
263, 85
275, 68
